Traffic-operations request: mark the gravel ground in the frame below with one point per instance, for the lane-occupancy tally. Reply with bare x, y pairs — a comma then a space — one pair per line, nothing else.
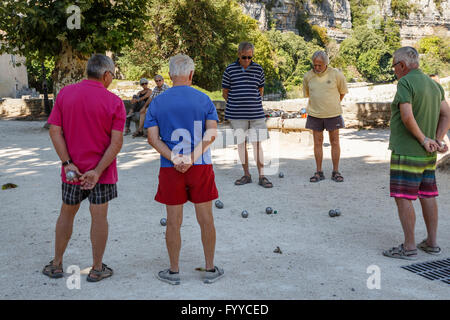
322, 257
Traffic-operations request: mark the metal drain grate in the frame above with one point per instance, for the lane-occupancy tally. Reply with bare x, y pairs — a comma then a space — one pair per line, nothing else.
433, 270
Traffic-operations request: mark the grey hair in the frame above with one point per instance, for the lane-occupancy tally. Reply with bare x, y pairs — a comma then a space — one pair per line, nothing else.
98, 64
181, 65
322, 55
243, 46
408, 55
158, 76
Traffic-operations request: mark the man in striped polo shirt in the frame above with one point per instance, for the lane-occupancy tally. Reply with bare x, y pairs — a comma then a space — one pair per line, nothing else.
420, 117
242, 89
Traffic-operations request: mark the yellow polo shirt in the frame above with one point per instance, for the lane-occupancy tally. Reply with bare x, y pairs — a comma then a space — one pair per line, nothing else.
324, 92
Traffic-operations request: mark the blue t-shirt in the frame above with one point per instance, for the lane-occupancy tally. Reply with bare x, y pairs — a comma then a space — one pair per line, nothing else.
180, 114
244, 98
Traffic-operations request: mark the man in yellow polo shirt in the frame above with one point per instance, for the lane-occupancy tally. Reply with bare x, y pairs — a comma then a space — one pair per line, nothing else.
325, 87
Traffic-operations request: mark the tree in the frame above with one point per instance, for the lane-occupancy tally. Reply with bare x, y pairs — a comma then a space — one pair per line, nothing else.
293, 56
43, 28
366, 49
209, 31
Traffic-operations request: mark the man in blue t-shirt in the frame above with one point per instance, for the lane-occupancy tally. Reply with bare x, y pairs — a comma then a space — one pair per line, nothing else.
182, 124
242, 89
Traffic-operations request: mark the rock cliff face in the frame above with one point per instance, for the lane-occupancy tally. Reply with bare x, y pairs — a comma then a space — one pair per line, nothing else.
335, 15
424, 20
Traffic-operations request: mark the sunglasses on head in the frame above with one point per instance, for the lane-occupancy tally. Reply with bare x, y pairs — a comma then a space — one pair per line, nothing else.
246, 57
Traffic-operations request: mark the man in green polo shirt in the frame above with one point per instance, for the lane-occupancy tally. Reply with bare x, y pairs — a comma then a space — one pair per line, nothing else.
420, 117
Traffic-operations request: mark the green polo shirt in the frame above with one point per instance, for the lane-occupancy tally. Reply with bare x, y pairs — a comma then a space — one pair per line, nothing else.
425, 95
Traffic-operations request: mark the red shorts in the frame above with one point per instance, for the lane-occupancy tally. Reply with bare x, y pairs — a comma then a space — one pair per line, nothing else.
196, 185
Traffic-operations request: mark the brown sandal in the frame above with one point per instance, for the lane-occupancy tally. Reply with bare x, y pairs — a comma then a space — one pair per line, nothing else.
106, 272
243, 180
138, 134
53, 271
336, 176
263, 181
317, 176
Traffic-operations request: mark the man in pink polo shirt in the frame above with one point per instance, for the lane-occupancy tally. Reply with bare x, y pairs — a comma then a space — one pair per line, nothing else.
87, 122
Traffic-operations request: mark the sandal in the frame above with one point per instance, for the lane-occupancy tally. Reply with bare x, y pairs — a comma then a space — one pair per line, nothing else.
138, 134
317, 176
53, 271
336, 176
431, 250
263, 181
106, 272
127, 132
243, 180
400, 253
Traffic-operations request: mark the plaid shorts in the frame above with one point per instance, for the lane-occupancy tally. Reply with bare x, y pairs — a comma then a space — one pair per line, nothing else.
413, 177
72, 194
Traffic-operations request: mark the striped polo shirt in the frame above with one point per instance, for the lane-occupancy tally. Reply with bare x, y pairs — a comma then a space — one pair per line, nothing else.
244, 100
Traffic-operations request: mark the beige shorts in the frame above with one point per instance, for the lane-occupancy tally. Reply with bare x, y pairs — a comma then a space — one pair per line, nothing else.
250, 130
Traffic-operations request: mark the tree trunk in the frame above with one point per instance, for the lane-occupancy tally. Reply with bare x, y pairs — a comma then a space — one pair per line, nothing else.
444, 164
70, 67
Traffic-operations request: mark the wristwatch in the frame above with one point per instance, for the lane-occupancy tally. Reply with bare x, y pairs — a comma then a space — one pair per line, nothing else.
65, 163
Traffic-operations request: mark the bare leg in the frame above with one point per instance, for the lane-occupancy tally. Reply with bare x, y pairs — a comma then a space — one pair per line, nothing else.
206, 221
408, 221
318, 148
99, 232
243, 156
430, 215
259, 157
173, 236
64, 227
142, 119
335, 148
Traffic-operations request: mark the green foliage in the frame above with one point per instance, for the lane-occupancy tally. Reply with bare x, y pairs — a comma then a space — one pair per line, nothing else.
402, 8
42, 25
38, 29
435, 52
213, 95
438, 4
368, 52
359, 11
309, 32
390, 31
293, 56
320, 33
436, 45
430, 63
209, 31
34, 70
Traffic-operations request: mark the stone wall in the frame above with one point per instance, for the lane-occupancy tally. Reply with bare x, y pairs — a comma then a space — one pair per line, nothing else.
358, 114
30, 108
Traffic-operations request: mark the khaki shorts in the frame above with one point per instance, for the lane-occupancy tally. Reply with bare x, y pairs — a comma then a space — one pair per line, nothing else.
250, 130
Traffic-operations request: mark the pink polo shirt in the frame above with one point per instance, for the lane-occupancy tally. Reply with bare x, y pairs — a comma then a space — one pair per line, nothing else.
87, 113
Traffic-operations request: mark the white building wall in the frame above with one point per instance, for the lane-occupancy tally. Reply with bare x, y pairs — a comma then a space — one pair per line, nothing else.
12, 78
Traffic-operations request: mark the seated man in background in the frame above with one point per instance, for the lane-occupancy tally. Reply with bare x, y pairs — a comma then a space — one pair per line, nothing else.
137, 103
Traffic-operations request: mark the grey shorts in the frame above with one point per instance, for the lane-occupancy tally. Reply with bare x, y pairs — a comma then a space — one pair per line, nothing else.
250, 130
319, 124
72, 194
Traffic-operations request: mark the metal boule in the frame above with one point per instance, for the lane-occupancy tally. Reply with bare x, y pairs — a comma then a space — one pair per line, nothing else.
219, 204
